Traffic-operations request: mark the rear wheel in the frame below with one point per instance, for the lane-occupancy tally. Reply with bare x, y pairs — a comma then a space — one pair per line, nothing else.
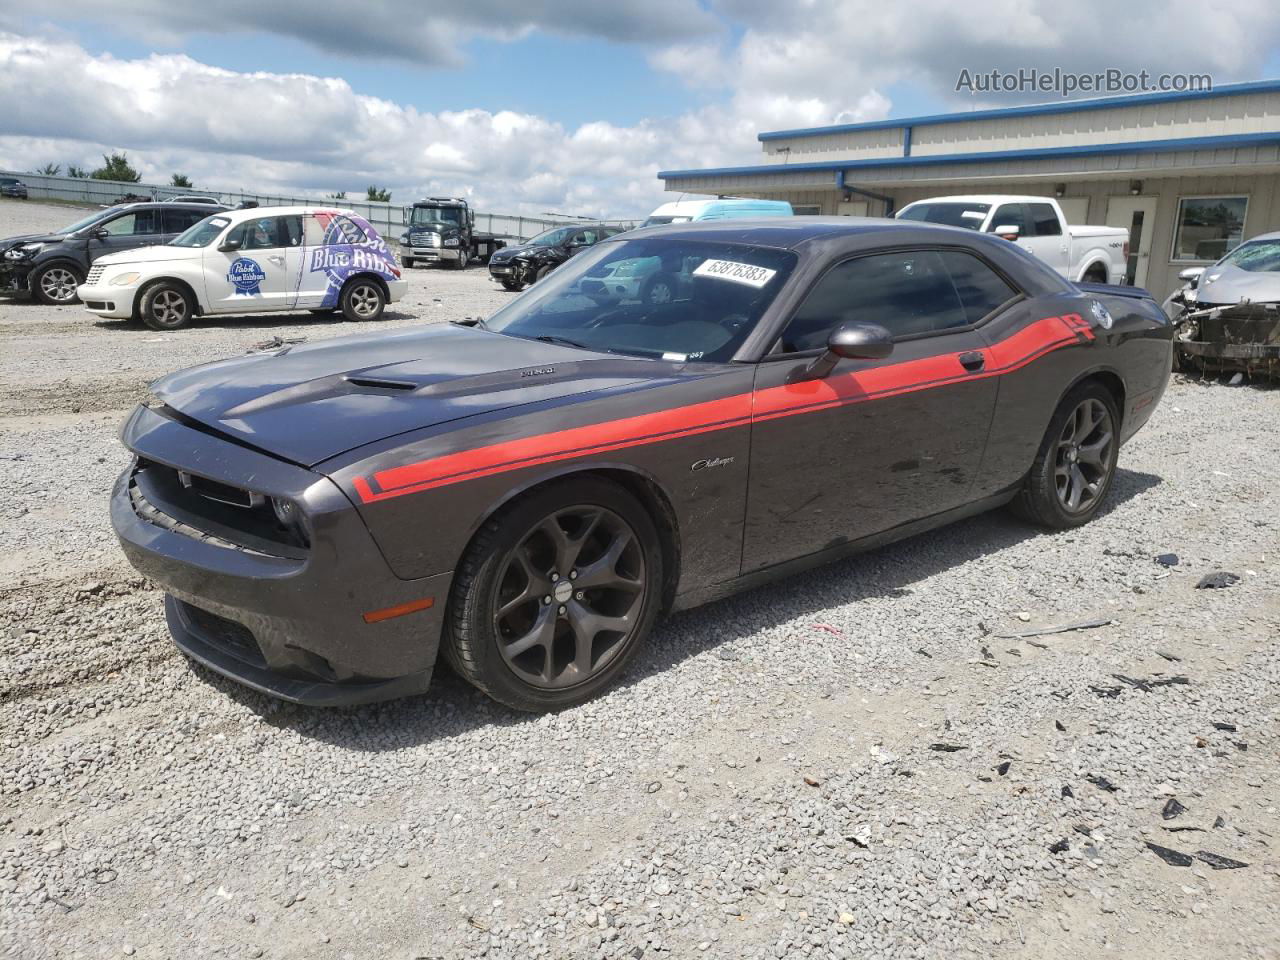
1076, 464
362, 300
165, 306
555, 595
56, 284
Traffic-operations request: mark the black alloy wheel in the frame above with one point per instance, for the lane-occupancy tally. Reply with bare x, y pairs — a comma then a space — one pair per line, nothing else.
1076, 463
555, 595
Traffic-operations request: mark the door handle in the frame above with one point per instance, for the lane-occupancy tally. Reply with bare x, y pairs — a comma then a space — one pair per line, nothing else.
973, 361
277, 260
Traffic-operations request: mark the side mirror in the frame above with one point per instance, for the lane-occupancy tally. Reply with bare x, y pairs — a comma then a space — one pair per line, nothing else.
100, 234
230, 245
1007, 232
851, 341
1191, 275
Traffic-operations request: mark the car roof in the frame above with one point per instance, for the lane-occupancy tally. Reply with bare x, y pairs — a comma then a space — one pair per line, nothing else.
991, 198
254, 213
787, 233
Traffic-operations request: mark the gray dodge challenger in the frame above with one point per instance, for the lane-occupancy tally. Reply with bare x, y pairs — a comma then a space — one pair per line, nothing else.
528, 494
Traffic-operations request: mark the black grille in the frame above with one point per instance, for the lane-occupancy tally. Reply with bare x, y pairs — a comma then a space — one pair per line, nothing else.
227, 635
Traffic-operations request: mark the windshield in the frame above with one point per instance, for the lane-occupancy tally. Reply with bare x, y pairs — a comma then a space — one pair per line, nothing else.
967, 215
89, 220
655, 221
1256, 256
427, 216
552, 238
677, 299
202, 234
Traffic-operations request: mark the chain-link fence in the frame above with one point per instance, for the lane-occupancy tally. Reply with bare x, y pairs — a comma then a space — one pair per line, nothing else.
387, 217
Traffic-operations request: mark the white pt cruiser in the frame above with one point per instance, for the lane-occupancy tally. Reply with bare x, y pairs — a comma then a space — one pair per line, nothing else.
267, 259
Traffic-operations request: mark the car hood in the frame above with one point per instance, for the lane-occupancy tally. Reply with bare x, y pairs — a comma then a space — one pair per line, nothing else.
507, 253
155, 254
310, 403
10, 242
1229, 284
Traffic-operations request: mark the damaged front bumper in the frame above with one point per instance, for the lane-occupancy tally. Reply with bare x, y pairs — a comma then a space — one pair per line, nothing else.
1241, 337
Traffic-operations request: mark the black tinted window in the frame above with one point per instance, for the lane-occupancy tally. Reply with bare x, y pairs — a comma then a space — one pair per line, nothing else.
178, 221
1010, 215
906, 293
979, 288
290, 231
1045, 220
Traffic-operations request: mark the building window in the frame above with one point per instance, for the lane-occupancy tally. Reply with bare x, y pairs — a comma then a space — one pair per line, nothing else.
1208, 228
806, 209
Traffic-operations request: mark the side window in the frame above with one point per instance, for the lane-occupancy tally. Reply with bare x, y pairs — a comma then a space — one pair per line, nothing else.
584, 238
907, 293
979, 288
260, 234
177, 221
1011, 215
140, 223
290, 231
1044, 219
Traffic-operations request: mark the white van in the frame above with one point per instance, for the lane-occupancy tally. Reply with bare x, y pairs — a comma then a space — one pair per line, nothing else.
721, 208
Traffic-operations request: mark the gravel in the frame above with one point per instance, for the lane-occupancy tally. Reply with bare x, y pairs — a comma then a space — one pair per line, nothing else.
765, 782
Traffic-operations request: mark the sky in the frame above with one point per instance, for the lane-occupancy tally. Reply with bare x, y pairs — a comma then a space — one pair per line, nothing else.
537, 106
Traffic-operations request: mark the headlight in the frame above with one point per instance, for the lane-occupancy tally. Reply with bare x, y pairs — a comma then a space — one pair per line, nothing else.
451, 241
124, 279
291, 517
404, 240
24, 251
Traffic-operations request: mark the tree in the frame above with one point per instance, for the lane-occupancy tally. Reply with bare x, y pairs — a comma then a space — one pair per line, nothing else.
116, 167
339, 195
50, 170
181, 180
377, 195
80, 173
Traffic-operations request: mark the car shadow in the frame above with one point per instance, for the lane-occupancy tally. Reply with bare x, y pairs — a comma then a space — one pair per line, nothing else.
264, 321
452, 707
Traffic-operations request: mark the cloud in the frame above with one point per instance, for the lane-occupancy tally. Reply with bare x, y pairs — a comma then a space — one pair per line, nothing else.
425, 34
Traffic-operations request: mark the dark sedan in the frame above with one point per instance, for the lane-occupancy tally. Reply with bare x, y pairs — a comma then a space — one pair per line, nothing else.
528, 495
517, 267
13, 187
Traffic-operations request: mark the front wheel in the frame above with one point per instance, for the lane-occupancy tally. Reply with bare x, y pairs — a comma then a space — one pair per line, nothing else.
56, 284
165, 306
1076, 464
409, 262
555, 595
461, 262
363, 300
512, 285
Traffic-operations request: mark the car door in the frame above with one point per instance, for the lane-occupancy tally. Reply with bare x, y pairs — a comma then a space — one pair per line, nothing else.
254, 268
328, 248
1047, 240
875, 443
128, 231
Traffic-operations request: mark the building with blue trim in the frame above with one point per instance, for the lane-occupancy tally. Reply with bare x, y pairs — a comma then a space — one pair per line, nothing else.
1189, 174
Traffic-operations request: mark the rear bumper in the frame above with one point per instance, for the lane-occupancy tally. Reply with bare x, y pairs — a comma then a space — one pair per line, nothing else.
292, 627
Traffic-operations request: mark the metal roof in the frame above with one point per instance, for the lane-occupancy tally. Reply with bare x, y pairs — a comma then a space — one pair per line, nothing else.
1035, 109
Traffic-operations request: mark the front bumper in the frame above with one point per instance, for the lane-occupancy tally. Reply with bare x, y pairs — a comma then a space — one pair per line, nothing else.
108, 301
289, 623
431, 254
15, 276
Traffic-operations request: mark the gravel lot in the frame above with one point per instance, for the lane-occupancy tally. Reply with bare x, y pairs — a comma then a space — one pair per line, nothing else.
859, 762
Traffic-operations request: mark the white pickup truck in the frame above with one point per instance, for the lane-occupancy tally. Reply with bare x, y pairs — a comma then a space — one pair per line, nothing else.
1089, 254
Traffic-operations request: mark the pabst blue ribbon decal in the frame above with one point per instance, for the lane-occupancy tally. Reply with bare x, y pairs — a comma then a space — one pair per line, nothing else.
340, 257
246, 276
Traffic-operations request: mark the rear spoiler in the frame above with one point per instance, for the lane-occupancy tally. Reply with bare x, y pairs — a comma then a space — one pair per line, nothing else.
1116, 290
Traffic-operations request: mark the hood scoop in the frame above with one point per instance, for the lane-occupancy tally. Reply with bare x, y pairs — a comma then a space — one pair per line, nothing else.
381, 383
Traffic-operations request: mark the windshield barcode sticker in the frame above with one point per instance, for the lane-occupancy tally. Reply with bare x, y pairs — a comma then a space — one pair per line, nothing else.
752, 276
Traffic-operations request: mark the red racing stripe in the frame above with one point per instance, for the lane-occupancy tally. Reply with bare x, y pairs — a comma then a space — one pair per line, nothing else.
1017, 350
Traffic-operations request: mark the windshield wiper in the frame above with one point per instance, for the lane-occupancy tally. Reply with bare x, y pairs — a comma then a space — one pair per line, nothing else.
548, 338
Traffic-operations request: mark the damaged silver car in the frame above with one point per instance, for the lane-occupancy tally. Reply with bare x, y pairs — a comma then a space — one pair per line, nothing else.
1227, 316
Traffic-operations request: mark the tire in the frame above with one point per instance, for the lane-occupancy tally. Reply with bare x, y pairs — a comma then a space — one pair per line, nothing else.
512, 285
362, 300
56, 284
658, 289
500, 595
409, 262
542, 272
165, 306
1064, 488
461, 262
